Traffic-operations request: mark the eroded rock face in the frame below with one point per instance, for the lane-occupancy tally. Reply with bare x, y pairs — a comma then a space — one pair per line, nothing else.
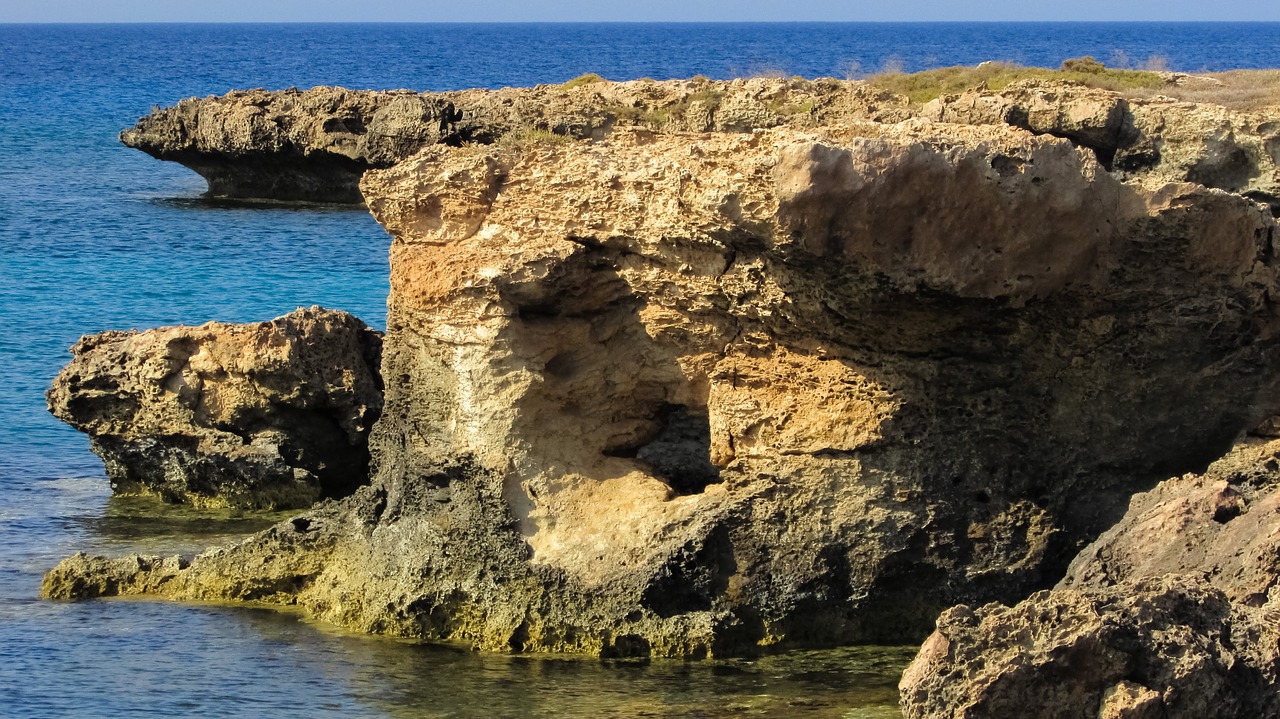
1223, 524
1172, 648
1157, 140
1090, 117
899, 353
271, 415
315, 144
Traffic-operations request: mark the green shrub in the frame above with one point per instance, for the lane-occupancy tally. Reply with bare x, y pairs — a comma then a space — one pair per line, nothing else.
589, 78
1084, 64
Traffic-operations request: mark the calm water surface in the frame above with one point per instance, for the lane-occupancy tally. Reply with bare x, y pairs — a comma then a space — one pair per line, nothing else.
95, 236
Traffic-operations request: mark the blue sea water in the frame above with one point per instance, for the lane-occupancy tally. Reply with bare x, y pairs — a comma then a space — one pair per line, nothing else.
95, 236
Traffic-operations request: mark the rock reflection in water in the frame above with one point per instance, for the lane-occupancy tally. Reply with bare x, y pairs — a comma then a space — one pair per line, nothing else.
407, 679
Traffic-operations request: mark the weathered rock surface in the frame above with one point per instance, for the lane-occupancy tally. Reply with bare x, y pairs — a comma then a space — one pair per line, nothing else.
1223, 525
1170, 613
1172, 648
271, 415
901, 354
1157, 139
315, 144
1090, 117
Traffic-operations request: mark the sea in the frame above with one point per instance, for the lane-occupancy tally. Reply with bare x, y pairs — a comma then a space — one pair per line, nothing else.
95, 236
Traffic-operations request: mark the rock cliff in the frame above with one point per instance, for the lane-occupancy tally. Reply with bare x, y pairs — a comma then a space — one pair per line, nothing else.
273, 415
315, 144
695, 394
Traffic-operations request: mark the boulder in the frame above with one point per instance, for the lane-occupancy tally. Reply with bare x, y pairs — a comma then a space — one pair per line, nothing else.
1222, 524
272, 415
1172, 648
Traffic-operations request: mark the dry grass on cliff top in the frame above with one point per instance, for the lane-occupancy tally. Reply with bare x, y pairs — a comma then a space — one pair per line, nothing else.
1236, 89
922, 87
1239, 90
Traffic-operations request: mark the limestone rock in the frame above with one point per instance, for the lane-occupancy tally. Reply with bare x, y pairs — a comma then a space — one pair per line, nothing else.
1155, 140
900, 354
269, 415
315, 144
1206, 144
1093, 118
1223, 524
1172, 648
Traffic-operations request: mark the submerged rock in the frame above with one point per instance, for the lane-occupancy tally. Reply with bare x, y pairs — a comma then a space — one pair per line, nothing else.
1172, 648
901, 355
271, 415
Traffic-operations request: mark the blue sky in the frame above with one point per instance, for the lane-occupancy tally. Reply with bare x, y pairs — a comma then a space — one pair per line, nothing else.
650, 10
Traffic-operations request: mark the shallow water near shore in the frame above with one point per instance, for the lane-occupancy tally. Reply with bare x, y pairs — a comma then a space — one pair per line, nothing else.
94, 236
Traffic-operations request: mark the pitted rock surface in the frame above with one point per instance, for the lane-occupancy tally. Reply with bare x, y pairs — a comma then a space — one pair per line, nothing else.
900, 354
272, 415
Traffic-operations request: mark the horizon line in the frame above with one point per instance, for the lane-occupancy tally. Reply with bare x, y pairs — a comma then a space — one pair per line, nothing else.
639, 22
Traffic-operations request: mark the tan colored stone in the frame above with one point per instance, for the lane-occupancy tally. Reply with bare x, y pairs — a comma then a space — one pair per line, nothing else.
271, 415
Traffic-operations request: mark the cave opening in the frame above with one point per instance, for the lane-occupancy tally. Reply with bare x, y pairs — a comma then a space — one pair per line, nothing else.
680, 454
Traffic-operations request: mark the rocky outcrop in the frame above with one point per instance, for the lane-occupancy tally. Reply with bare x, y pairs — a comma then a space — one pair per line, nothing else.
1172, 648
272, 415
315, 144
703, 394
1223, 525
1170, 613
1093, 118
1157, 139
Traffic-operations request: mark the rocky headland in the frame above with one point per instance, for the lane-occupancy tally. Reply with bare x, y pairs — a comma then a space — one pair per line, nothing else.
316, 144
271, 415
769, 364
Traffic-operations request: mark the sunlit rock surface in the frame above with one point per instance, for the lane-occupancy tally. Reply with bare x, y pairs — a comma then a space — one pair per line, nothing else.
697, 394
271, 415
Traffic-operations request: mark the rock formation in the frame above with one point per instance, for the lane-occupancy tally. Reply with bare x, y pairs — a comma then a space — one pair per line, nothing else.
1170, 613
273, 415
1158, 139
1172, 648
315, 144
691, 394
1223, 525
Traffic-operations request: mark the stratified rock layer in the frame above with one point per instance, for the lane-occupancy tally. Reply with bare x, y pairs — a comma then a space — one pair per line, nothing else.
706, 393
271, 415
1155, 649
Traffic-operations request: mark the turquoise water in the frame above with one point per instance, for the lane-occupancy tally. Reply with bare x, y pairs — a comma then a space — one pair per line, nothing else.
95, 236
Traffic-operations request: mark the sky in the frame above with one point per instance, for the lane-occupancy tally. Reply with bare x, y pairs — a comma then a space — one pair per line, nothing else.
634, 10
